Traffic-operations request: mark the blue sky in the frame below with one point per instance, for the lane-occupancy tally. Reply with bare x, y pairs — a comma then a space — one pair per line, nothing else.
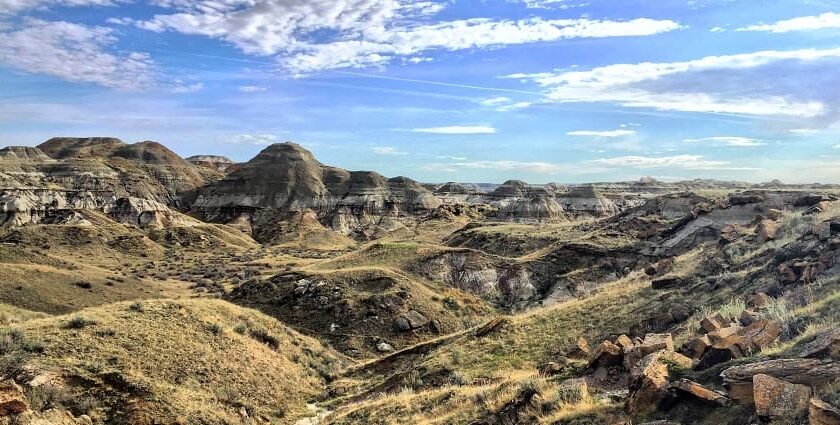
483, 91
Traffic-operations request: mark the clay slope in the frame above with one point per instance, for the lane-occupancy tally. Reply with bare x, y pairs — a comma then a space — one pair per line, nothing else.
285, 179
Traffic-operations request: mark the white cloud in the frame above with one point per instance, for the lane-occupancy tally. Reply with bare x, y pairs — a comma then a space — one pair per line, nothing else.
456, 129
827, 20
380, 47
495, 101
8, 7
689, 162
728, 141
257, 139
181, 88
608, 133
625, 84
74, 52
524, 166
360, 33
251, 89
387, 150
717, 29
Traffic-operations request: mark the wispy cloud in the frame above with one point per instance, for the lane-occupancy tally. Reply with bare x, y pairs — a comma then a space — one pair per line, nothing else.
692, 87
8, 7
257, 139
181, 88
606, 133
828, 20
251, 89
456, 130
74, 52
537, 167
688, 162
355, 34
387, 150
728, 141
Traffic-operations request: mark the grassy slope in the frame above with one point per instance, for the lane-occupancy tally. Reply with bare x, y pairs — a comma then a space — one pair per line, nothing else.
202, 360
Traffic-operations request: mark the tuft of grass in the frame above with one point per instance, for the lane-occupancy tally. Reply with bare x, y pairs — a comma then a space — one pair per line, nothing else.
78, 323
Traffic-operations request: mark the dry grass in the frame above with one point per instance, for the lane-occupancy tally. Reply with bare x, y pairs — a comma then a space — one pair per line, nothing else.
187, 357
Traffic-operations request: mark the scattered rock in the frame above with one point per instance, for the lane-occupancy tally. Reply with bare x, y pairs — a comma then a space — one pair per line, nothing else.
810, 200
573, 390
411, 321
12, 399
759, 301
667, 282
748, 317
648, 384
775, 398
581, 350
552, 368
822, 413
766, 230
697, 347
826, 345
710, 324
810, 372
384, 347
700, 392
606, 354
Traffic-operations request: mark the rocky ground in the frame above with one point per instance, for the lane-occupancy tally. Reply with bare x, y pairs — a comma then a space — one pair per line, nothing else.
138, 287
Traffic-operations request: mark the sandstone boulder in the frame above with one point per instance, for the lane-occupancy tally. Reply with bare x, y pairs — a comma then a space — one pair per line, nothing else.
580, 351
822, 413
605, 354
699, 392
759, 301
411, 321
826, 345
12, 399
810, 372
766, 230
711, 324
648, 385
651, 344
775, 398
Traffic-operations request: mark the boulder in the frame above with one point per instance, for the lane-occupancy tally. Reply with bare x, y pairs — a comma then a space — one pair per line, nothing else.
697, 347
719, 353
384, 347
651, 344
748, 317
580, 351
810, 200
810, 372
825, 346
699, 392
759, 301
667, 282
411, 321
766, 230
605, 354
624, 342
710, 324
648, 384
822, 413
552, 368
775, 398
724, 335
12, 399
760, 335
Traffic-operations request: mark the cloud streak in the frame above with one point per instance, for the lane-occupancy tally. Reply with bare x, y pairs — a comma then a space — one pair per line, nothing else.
456, 130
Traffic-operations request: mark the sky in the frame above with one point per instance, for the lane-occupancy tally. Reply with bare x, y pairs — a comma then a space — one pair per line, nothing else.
443, 90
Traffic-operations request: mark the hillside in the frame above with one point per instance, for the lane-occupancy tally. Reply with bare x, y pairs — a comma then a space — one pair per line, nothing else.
139, 287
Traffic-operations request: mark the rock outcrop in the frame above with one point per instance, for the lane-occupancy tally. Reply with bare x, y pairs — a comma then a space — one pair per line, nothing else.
285, 178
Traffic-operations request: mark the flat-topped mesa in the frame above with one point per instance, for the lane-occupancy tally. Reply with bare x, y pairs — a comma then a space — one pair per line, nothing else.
587, 199
511, 189
286, 178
